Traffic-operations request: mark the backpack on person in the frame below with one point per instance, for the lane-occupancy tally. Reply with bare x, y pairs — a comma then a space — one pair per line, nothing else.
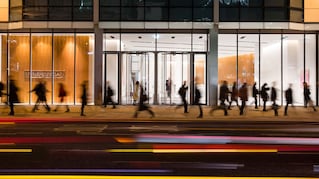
181, 91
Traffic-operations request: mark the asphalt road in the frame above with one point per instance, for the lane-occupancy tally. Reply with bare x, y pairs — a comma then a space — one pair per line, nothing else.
192, 148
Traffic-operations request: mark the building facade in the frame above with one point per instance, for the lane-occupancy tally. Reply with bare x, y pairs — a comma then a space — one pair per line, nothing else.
159, 43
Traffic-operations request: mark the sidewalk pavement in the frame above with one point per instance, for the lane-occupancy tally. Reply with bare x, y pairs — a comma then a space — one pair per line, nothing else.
162, 113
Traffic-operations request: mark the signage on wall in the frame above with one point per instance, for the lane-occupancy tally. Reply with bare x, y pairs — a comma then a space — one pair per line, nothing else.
233, 2
58, 74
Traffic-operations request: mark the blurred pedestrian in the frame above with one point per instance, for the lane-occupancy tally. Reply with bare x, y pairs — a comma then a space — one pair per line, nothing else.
182, 91
223, 96
168, 87
142, 106
13, 96
273, 98
108, 95
264, 95
197, 101
243, 94
307, 97
255, 93
289, 98
62, 94
40, 90
136, 89
84, 97
234, 95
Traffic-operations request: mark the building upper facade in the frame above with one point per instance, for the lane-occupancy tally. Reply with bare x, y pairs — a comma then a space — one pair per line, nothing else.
232, 14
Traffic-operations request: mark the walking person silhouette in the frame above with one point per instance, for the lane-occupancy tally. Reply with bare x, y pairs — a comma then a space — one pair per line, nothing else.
108, 94
182, 91
197, 102
243, 94
13, 96
234, 95
84, 97
141, 105
264, 95
223, 96
289, 98
273, 98
255, 93
307, 97
40, 90
62, 94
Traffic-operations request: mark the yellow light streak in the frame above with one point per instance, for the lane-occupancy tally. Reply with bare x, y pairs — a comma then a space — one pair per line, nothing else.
7, 123
15, 150
192, 150
132, 177
124, 140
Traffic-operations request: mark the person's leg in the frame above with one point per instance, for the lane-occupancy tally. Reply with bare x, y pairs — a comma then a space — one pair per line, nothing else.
11, 109
200, 111
286, 109
82, 109
185, 105
256, 107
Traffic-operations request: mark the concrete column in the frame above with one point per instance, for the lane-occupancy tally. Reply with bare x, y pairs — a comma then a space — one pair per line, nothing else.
98, 65
212, 59
212, 67
98, 55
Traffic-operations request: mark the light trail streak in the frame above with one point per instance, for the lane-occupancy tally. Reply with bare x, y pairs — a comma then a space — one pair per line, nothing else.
192, 150
132, 177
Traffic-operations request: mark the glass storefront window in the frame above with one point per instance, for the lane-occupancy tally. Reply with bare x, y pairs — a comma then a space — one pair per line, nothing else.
137, 67
200, 75
293, 63
84, 65
63, 65
19, 63
310, 60
227, 58
3, 63
248, 62
41, 68
111, 74
270, 62
173, 69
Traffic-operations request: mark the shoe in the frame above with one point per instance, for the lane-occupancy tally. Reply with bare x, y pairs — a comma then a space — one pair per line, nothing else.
68, 110
82, 114
200, 116
11, 114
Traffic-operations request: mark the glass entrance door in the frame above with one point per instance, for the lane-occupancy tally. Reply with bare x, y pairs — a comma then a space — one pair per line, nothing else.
137, 67
173, 69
